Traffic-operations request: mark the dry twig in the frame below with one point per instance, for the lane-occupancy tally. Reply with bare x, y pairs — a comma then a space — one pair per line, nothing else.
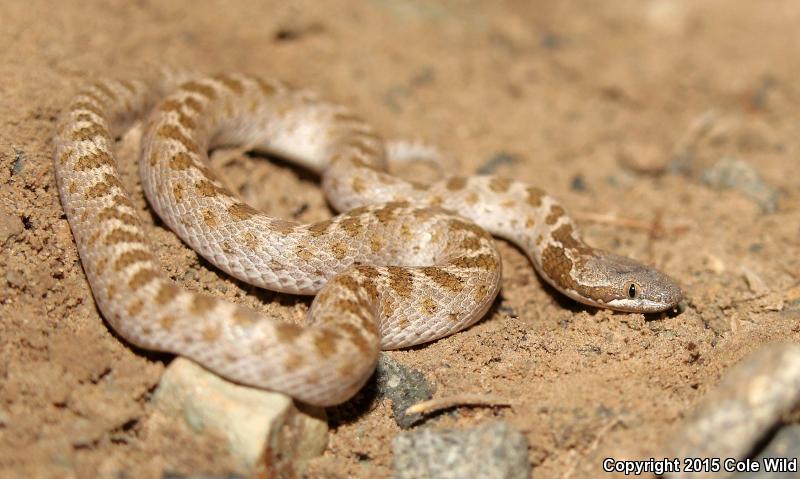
466, 399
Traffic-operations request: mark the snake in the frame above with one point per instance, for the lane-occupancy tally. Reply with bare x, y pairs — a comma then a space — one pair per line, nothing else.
404, 262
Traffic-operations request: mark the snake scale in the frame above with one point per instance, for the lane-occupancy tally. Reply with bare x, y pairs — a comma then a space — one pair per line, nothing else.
404, 263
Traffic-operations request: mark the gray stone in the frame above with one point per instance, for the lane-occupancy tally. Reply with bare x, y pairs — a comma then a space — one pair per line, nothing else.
404, 386
268, 435
750, 400
490, 451
739, 175
785, 444
19, 161
495, 162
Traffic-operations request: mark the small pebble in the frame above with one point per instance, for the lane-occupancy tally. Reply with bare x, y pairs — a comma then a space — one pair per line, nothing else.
578, 183
15, 278
10, 227
643, 158
423, 76
750, 400
508, 311
590, 350
739, 175
754, 281
551, 41
759, 100
290, 33
490, 451
19, 161
404, 386
495, 162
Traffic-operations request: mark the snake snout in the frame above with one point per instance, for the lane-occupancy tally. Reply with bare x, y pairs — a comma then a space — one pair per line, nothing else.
671, 293
661, 294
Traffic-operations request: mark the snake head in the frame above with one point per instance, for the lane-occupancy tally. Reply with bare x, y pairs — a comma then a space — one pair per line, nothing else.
620, 283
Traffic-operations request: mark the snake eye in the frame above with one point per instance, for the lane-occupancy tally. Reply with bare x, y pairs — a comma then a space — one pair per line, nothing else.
633, 290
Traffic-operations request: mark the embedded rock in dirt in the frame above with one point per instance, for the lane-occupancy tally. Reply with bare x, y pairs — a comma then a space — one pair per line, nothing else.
265, 431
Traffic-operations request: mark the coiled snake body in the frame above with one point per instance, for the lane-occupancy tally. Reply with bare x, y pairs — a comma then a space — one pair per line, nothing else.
404, 264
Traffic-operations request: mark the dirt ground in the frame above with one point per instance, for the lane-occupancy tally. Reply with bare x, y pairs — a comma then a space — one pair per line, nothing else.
623, 110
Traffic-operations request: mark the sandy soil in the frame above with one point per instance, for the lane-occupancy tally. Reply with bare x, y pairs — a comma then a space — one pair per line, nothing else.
617, 108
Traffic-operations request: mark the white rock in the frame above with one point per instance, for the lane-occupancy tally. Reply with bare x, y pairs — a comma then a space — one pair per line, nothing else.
265, 431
